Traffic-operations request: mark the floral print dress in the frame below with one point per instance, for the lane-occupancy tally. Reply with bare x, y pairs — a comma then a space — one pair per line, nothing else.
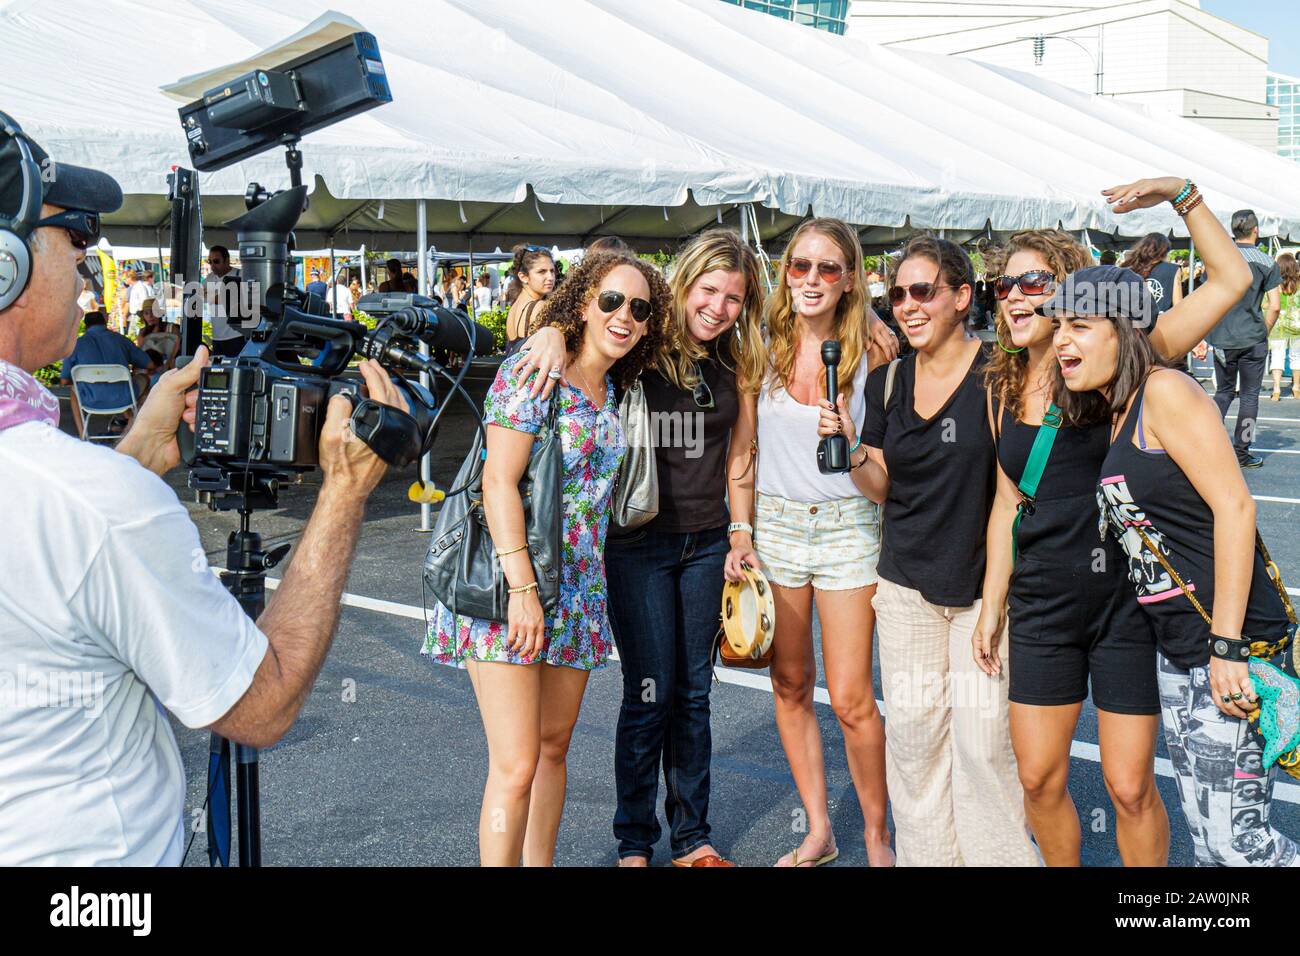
578, 633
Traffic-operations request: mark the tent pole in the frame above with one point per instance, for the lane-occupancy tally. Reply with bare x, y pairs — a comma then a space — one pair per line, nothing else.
333, 278
422, 282
1191, 268
162, 274
363, 268
744, 222
471, 279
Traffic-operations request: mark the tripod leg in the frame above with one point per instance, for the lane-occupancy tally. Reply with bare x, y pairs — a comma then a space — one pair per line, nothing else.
250, 806
219, 801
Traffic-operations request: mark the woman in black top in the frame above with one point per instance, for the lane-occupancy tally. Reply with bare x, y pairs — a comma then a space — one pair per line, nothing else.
1072, 619
1170, 482
952, 776
532, 279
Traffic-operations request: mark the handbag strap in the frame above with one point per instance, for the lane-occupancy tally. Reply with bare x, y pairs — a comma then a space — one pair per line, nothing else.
1274, 575
1039, 453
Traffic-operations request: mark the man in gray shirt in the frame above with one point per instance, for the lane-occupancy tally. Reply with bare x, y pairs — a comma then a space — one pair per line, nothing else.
1240, 339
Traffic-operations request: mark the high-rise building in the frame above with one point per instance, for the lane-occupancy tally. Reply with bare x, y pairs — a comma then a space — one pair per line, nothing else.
1167, 54
828, 15
1284, 93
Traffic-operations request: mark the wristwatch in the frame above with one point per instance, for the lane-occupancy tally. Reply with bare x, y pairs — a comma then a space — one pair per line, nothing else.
1225, 648
744, 526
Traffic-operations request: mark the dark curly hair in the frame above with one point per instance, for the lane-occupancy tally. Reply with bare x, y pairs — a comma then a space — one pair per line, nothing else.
566, 309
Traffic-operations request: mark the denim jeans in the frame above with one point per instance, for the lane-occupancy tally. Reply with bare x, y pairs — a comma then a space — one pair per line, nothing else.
1249, 364
665, 590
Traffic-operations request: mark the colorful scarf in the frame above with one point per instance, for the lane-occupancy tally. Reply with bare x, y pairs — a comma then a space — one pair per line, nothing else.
23, 399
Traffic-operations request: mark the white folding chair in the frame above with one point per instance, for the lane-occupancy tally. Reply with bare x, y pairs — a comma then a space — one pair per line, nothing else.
100, 375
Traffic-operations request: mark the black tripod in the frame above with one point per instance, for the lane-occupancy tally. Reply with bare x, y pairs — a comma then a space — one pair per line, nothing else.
245, 578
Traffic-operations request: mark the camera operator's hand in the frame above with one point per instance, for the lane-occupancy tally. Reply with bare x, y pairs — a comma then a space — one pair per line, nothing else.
346, 461
151, 439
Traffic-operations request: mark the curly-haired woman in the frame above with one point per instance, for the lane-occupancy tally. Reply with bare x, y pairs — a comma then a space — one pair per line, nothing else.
530, 673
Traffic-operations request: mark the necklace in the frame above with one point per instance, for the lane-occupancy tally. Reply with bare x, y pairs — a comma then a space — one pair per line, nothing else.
588, 390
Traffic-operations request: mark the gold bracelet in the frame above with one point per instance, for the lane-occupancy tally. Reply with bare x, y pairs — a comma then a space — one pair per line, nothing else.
522, 547
522, 590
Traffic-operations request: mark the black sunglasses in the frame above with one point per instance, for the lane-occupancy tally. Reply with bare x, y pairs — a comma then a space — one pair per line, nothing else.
1035, 282
82, 227
921, 292
611, 301
702, 394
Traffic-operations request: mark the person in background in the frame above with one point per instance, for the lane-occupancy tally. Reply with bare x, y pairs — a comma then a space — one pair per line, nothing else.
1109, 257
100, 345
1284, 337
122, 303
396, 281
340, 297
1148, 259
610, 244
1240, 340
532, 273
483, 294
354, 290
316, 287
222, 293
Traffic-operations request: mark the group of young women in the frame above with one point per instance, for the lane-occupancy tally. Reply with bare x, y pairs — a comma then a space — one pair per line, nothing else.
951, 529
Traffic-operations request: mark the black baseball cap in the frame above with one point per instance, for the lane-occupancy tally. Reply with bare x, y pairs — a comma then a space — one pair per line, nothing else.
62, 184
1110, 292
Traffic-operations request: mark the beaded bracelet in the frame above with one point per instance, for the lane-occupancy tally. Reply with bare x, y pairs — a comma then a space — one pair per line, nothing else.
1190, 203
522, 590
1187, 191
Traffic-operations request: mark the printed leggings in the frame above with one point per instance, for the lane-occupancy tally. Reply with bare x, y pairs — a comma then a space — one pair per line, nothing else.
1218, 761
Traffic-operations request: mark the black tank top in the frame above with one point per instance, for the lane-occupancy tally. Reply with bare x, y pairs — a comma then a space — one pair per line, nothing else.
1061, 529
1147, 489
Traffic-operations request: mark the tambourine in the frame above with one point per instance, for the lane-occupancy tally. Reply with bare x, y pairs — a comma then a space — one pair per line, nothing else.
748, 621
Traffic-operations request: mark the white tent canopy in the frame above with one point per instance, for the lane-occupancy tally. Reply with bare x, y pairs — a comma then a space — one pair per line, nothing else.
645, 120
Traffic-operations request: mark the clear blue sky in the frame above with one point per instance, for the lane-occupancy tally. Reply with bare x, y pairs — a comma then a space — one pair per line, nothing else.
1279, 20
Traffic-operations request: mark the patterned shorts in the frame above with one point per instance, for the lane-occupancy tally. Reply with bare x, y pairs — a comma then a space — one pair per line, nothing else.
834, 545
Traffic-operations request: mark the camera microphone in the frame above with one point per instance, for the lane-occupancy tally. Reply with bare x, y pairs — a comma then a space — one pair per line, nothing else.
443, 329
833, 450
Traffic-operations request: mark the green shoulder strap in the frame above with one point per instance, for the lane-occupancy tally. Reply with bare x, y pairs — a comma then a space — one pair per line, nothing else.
1034, 468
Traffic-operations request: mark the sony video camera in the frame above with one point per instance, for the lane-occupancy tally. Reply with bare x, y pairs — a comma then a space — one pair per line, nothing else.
259, 415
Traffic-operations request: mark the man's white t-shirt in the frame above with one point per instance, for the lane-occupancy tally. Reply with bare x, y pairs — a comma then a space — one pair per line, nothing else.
140, 291
218, 291
482, 298
340, 300
108, 615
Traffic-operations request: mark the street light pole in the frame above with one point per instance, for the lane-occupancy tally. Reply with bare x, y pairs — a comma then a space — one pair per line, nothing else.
1098, 61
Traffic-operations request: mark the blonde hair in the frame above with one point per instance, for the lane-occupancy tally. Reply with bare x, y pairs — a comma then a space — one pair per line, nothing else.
851, 318
680, 353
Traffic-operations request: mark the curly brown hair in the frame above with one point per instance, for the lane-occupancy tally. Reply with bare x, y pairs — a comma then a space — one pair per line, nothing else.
566, 308
1006, 371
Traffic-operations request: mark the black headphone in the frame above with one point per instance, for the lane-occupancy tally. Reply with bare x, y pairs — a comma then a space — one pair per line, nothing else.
15, 253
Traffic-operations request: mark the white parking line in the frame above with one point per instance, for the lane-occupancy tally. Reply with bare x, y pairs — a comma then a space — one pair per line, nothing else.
1284, 791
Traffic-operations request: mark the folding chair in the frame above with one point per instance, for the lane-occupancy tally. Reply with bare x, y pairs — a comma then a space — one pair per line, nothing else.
100, 374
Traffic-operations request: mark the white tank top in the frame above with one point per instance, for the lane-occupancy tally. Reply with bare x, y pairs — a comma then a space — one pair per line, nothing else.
787, 444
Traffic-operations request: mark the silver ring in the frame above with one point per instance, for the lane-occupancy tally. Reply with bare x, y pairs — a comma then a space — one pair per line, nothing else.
554, 373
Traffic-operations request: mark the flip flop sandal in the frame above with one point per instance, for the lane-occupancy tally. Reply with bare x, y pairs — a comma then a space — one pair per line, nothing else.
711, 859
795, 862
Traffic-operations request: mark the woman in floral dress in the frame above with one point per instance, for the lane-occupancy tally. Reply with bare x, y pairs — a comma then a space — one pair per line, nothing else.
612, 311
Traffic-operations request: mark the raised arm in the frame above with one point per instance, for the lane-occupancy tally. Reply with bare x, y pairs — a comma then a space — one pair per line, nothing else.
1190, 320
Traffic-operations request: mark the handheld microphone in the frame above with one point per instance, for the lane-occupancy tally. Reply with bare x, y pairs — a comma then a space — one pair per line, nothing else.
833, 450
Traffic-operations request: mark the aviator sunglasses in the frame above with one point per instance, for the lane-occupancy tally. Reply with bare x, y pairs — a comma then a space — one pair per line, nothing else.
1037, 282
611, 301
800, 267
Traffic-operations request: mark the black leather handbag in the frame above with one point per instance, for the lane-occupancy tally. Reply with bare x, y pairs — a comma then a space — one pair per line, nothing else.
461, 568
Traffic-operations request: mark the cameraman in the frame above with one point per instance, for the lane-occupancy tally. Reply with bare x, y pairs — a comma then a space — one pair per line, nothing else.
108, 611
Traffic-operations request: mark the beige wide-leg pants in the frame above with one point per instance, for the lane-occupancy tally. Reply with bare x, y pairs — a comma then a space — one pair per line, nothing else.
953, 785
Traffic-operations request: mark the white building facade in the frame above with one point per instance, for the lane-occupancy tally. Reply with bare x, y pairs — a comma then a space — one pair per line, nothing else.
1168, 54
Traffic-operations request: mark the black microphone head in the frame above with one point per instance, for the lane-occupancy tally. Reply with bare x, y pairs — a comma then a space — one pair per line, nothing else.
831, 352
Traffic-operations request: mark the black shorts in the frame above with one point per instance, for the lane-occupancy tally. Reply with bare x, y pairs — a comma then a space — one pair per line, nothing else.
1071, 623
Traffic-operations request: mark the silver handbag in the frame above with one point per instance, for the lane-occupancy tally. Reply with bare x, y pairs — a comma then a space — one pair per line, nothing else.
636, 494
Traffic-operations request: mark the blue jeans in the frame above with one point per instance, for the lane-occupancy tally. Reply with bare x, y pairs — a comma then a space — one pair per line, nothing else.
665, 590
